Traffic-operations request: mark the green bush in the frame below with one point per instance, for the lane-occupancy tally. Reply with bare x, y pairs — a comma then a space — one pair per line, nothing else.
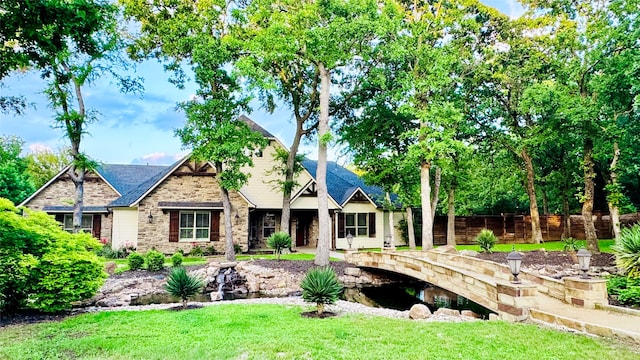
627, 251
486, 240
155, 260
176, 259
196, 251
135, 261
279, 241
183, 285
42, 266
237, 248
321, 286
630, 296
571, 244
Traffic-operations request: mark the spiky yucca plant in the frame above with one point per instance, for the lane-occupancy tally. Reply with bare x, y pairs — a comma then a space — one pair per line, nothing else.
279, 241
486, 239
321, 286
627, 251
183, 285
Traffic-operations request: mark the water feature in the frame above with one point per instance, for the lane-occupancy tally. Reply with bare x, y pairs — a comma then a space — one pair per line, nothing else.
404, 295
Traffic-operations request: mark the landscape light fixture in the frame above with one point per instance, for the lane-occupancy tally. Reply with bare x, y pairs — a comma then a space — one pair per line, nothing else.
584, 258
150, 218
349, 239
514, 259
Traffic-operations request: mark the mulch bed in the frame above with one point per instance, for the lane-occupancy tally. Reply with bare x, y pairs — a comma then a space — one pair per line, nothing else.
555, 258
314, 314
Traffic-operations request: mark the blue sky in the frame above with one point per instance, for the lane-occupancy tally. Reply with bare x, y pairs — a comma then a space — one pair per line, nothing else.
136, 128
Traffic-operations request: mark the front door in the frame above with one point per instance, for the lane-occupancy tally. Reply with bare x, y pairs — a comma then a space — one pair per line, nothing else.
302, 230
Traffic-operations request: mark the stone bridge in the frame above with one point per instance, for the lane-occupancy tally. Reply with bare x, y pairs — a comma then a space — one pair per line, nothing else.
483, 282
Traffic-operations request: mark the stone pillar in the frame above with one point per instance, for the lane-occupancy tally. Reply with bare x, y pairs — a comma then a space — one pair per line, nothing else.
514, 300
585, 292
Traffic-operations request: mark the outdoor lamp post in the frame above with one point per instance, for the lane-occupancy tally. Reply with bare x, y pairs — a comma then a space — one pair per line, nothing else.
150, 218
514, 259
349, 239
584, 258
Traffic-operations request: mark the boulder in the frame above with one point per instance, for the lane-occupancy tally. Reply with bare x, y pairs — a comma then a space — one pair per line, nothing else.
447, 312
419, 312
352, 271
110, 267
469, 314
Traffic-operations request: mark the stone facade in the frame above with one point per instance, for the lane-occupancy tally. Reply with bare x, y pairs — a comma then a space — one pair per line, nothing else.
186, 188
62, 193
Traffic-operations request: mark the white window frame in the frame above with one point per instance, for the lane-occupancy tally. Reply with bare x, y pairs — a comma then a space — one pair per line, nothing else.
268, 228
359, 227
67, 223
194, 228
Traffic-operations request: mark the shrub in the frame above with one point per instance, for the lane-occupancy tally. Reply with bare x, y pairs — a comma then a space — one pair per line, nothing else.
176, 259
44, 264
183, 285
486, 240
630, 296
155, 261
237, 248
279, 241
321, 286
196, 251
210, 250
571, 244
136, 261
627, 251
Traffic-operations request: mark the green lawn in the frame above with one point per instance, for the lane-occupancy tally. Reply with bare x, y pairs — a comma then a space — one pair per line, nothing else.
123, 265
235, 331
605, 246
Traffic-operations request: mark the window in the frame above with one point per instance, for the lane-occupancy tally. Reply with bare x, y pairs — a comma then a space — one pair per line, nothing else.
87, 223
356, 224
268, 225
194, 225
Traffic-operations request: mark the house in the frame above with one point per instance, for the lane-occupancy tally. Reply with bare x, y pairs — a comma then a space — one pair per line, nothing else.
180, 206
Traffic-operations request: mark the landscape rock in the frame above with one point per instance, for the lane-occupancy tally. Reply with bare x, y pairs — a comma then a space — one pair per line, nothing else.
446, 312
352, 271
469, 253
470, 314
110, 267
419, 312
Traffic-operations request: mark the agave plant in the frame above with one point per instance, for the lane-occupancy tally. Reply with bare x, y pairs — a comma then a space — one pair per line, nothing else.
627, 251
321, 286
486, 239
279, 241
183, 285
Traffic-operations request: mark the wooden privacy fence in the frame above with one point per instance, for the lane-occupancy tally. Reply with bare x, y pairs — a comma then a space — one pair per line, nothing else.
511, 228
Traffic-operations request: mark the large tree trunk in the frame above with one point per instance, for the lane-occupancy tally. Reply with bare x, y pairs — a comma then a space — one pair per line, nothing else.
587, 205
451, 217
566, 232
614, 211
229, 251
392, 236
411, 233
324, 222
289, 178
78, 203
536, 232
436, 192
425, 197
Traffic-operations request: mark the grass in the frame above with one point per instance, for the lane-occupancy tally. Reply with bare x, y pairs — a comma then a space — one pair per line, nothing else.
236, 331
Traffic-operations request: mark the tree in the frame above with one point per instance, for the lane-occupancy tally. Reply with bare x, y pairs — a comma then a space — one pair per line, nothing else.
15, 182
72, 43
43, 165
175, 31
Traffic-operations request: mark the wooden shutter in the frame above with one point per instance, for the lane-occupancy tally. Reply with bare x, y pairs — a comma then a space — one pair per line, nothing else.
97, 226
372, 225
174, 226
214, 231
341, 225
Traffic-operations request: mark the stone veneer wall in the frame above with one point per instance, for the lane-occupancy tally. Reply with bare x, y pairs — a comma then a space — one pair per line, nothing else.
62, 192
192, 189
